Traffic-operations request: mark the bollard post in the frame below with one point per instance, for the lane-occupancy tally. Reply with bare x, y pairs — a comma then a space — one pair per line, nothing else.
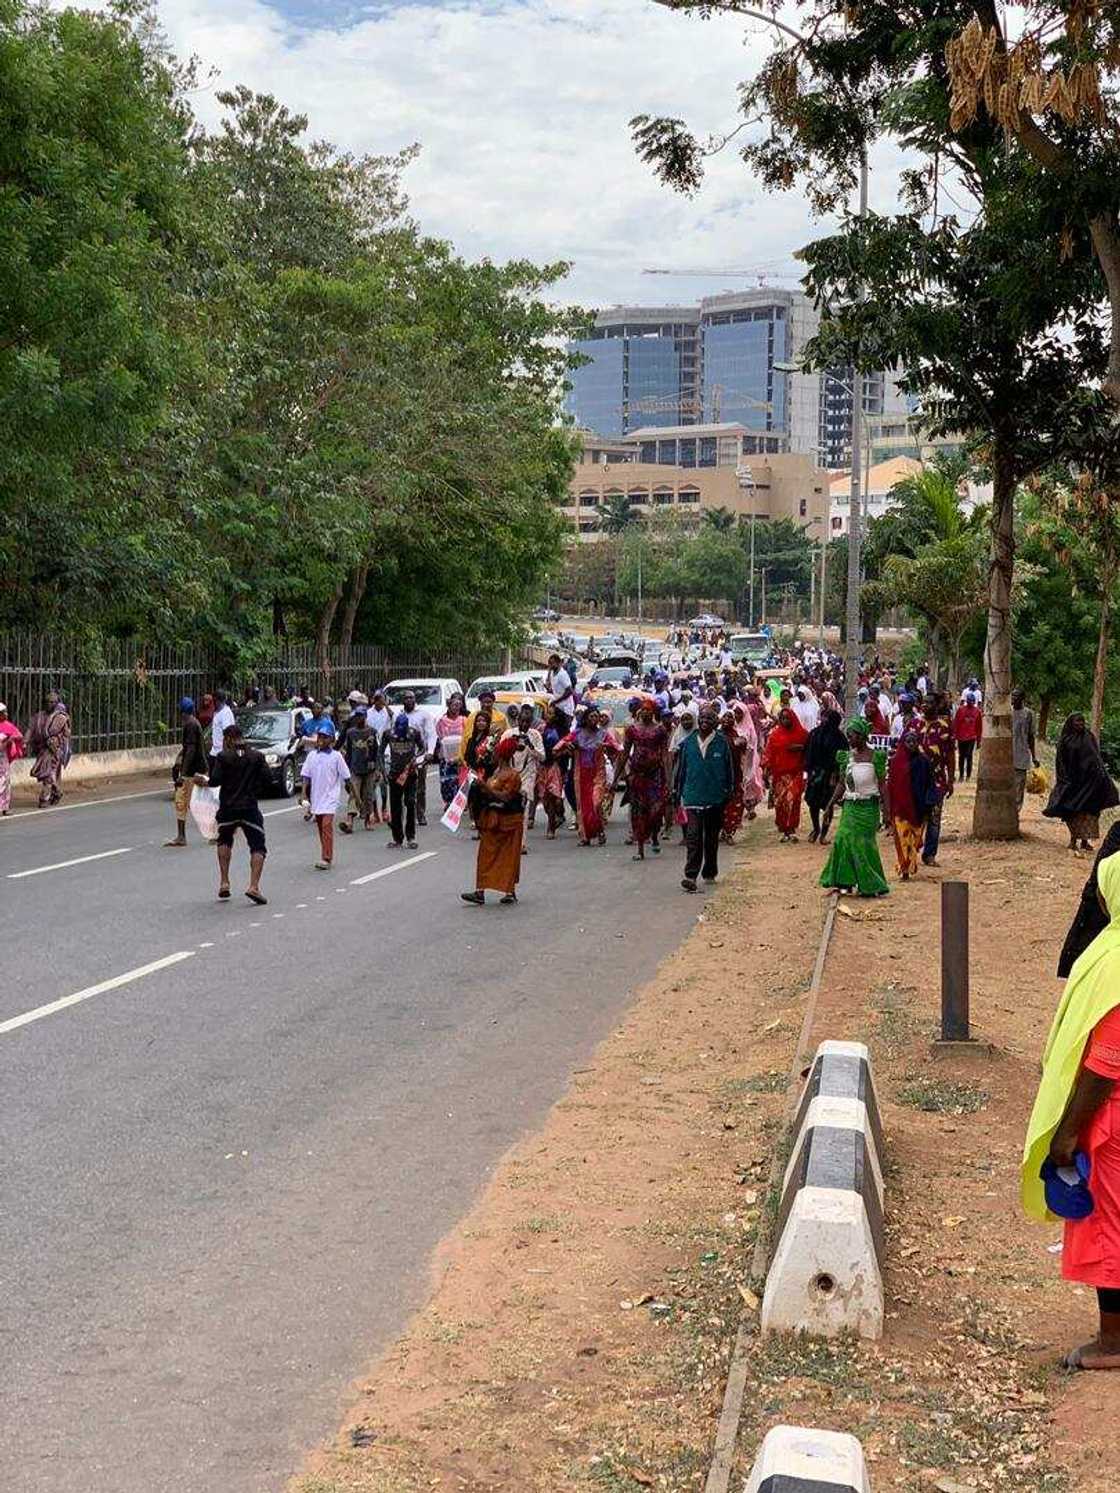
954, 962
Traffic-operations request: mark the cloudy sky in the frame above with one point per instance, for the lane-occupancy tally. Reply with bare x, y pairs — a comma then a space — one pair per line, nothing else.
521, 109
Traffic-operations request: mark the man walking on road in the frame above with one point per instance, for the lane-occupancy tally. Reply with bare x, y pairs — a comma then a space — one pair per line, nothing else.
561, 691
240, 776
223, 720
190, 763
418, 720
326, 773
707, 779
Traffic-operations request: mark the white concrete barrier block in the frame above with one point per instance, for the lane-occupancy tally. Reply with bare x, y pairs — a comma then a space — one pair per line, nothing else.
825, 1277
824, 1112
794, 1459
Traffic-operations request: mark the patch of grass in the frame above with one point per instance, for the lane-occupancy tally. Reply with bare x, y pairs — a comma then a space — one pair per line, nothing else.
833, 1361
773, 1081
896, 1027
942, 1096
928, 1446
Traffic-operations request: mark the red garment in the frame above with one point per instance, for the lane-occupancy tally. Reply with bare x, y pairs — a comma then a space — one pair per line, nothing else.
785, 748
788, 788
877, 721
1091, 1246
968, 723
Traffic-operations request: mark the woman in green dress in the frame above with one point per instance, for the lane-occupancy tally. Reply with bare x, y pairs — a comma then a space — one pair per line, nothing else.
854, 861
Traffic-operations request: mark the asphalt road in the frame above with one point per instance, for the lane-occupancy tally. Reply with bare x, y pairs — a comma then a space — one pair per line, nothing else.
222, 1179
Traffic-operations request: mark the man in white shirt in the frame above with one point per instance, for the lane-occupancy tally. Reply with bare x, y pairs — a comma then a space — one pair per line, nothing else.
420, 721
528, 756
325, 772
561, 688
223, 719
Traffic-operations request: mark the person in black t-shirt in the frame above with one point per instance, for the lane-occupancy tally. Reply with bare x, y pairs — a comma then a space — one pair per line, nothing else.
191, 761
240, 776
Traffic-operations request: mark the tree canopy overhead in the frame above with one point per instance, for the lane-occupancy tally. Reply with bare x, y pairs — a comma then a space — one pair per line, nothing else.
239, 388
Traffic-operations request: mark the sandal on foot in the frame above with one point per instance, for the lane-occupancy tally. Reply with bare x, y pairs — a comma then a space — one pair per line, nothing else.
478, 898
257, 897
508, 900
223, 894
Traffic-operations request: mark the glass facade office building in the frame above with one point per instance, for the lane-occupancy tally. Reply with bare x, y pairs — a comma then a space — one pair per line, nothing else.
644, 369
740, 348
709, 364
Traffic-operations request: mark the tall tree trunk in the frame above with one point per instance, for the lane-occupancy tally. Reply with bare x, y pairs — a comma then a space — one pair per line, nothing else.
323, 639
1102, 653
996, 813
1044, 716
353, 602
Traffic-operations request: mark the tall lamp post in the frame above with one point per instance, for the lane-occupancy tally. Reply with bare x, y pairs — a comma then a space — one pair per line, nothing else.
851, 651
746, 484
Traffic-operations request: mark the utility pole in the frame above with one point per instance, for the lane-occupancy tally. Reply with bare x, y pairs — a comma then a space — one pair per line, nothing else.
820, 627
852, 649
764, 596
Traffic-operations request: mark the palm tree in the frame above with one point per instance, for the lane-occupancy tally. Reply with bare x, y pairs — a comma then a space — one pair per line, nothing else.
719, 518
615, 514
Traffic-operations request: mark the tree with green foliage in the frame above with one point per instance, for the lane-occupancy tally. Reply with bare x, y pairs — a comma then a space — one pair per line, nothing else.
1056, 623
239, 391
94, 203
971, 315
616, 514
1078, 522
722, 519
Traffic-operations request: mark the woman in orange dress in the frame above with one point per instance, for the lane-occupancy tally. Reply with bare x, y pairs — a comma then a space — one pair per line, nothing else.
501, 825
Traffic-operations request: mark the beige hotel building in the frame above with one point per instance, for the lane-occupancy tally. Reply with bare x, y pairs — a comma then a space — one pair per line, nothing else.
685, 469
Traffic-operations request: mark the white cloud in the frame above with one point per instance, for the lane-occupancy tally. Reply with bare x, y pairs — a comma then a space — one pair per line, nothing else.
521, 107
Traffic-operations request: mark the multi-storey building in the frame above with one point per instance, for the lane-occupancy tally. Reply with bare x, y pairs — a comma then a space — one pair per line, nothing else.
685, 469
731, 358
714, 363
881, 397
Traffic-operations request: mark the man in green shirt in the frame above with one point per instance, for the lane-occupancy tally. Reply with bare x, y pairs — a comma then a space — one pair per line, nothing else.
707, 782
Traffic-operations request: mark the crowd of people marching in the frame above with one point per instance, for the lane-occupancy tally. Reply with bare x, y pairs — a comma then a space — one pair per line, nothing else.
695, 754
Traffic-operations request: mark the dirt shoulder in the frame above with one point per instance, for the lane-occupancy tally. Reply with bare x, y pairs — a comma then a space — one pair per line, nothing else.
582, 1315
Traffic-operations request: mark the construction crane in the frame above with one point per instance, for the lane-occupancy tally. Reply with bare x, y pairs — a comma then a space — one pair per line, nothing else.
692, 404
762, 276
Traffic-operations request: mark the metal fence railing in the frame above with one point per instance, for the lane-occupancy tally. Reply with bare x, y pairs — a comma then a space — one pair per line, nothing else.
124, 694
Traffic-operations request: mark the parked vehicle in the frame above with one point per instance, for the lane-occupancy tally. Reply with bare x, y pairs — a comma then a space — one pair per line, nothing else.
277, 732
531, 683
613, 676
749, 648
432, 695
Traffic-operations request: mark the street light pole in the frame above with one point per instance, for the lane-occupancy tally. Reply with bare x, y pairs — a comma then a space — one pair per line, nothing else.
820, 626
852, 649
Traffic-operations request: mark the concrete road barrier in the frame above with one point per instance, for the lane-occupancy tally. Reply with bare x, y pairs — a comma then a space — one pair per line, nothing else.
793, 1459
826, 1276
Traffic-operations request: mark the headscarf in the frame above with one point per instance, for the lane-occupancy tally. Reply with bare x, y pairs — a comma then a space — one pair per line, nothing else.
1091, 993
910, 783
781, 753
859, 725
400, 726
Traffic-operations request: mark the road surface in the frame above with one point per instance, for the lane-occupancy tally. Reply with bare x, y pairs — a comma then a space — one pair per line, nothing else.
233, 1135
